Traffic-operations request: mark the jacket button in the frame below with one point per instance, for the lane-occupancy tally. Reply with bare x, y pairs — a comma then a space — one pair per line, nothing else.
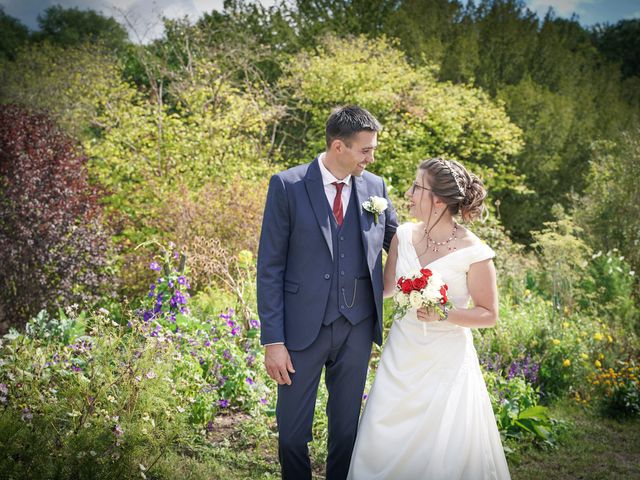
327, 276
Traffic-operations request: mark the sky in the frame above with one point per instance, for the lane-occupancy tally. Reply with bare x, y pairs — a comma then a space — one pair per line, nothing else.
142, 17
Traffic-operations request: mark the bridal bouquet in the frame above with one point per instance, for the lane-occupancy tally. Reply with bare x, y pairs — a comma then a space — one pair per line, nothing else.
422, 289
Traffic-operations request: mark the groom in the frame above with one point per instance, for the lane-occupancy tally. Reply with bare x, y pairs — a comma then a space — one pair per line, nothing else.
320, 287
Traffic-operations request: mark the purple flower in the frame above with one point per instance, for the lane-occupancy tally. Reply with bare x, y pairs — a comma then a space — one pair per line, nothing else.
155, 266
235, 331
223, 403
254, 323
75, 368
263, 401
231, 323
182, 280
207, 343
250, 381
26, 416
117, 430
150, 374
226, 354
250, 359
209, 426
152, 286
176, 255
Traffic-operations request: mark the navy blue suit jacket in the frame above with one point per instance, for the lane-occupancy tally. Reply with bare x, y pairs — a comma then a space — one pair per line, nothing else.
295, 258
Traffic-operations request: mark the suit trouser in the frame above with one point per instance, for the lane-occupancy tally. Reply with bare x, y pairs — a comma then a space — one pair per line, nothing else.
344, 350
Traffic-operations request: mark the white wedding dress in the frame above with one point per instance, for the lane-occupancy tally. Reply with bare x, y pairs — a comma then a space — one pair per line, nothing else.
428, 415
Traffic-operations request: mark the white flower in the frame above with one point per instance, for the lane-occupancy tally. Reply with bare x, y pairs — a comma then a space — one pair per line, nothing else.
401, 299
375, 205
415, 299
431, 292
380, 204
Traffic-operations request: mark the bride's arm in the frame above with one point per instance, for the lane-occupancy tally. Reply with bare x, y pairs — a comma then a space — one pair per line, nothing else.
481, 282
390, 268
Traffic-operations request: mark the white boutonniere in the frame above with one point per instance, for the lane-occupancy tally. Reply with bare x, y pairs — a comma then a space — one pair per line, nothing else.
375, 205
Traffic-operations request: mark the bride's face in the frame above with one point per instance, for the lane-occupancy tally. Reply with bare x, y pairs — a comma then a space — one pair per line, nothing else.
420, 197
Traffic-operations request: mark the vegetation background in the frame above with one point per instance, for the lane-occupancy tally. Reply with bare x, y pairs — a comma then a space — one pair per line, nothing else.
132, 184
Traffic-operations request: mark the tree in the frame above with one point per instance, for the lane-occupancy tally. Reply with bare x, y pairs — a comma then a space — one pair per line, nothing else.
13, 34
53, 248
620, 43
422, 117
609, 210
72, 27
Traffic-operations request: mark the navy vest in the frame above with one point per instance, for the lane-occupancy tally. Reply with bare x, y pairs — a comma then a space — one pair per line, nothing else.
351, 292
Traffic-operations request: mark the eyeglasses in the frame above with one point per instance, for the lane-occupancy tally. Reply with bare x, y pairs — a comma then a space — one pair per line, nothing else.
415, 185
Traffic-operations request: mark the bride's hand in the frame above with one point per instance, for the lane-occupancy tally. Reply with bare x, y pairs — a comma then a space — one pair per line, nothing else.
428, 315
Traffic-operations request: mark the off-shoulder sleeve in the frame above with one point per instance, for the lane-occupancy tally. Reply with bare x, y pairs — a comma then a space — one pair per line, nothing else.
478, 253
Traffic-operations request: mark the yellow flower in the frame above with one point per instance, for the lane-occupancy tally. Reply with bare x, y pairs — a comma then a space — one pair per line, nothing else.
565, 324
584, 355
601, 356
566, 363
597, 363
556, 341
609, 338
598, 336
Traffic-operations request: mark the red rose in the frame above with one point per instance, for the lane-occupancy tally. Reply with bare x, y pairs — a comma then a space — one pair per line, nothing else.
426, 272
419, 283
407, 286
443, 290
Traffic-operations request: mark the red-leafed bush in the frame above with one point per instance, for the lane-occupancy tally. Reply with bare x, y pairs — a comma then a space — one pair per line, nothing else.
53, 247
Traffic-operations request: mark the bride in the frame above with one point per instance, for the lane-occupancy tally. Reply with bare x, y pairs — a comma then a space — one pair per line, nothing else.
428, 415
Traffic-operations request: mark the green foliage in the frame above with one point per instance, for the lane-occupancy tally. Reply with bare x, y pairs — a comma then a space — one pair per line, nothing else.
14, 35
72, 27
617, 392
72, 84
620, 43
421, 117
609, 210
515, 405
608, 288
563, 254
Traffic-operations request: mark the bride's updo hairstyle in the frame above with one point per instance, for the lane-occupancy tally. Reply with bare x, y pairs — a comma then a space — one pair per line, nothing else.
461, 191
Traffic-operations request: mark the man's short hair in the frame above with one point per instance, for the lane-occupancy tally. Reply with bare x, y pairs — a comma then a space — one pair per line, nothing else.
345, 122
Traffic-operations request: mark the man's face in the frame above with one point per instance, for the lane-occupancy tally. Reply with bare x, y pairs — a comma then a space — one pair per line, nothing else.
355, 157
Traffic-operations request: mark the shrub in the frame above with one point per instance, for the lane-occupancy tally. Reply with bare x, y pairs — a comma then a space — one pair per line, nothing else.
617, 391
53, 247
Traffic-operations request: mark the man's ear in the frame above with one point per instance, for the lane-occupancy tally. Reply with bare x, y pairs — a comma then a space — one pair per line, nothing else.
337, 146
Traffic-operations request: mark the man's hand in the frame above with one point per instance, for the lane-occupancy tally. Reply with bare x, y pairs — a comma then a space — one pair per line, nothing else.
278, 363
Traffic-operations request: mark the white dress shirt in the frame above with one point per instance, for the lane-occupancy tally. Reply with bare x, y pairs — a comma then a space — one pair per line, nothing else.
330, 190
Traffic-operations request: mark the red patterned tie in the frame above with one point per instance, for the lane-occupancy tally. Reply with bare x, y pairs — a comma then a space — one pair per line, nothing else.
337, 203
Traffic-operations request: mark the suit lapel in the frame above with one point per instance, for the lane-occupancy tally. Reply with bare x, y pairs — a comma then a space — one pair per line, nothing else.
362, 194
315, 190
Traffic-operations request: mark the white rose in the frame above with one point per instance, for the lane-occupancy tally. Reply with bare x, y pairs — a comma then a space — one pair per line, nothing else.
415, 299
379, 204
401, 299
431, 291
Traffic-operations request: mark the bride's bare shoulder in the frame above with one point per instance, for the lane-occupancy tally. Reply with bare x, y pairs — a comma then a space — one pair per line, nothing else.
466, 238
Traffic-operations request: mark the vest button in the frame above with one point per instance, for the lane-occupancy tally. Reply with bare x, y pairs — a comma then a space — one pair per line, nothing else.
327, 276
342, 272
342, 255
341, 237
